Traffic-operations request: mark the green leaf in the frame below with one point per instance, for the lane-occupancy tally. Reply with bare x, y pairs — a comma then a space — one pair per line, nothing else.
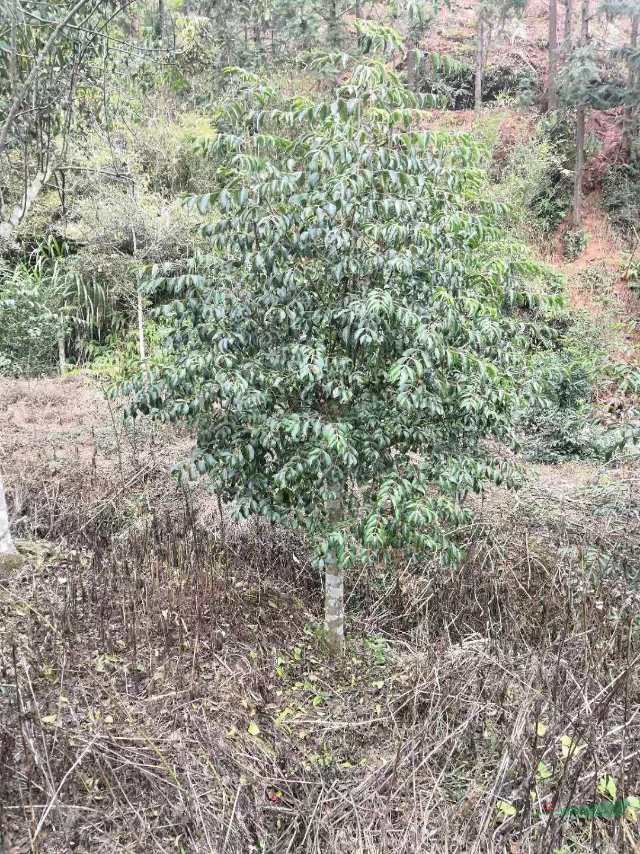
570, 748
543, 772
607, 787
506, 810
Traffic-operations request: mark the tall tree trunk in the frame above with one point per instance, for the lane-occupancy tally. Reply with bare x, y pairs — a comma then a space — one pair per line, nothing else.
412, 61
631, 109
62, 357
334, 606
141, 343
576, 211
568, 24
552, 87
6, 543
334, 37
479, 62
142, 350
358, 9
161, 19
13, 51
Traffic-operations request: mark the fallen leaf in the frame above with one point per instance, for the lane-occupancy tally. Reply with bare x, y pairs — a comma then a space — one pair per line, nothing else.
508, 810
570, 748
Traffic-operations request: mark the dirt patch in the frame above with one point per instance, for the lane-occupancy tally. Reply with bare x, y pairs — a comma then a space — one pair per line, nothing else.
49, 419
67, 456
607, 127
602, 250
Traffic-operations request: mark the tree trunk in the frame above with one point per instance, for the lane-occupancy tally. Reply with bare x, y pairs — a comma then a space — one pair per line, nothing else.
62, 359
552, 87
13, 51
358, 9
257, 37
31, 193
576, 210
479, 63
568, 24
334, 39
160, 22
334, 607
412, 63
631, 108
6, 543
141, 343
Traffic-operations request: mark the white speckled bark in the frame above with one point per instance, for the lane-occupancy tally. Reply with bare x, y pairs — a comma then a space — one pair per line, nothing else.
6, 543
334, 608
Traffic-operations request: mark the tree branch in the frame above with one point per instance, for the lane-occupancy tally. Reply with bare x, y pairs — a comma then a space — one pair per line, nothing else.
24, 89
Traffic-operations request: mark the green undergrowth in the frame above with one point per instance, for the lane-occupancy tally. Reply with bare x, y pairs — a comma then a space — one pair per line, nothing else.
621, 199
569, 381
453, 80
535, 177
564, 417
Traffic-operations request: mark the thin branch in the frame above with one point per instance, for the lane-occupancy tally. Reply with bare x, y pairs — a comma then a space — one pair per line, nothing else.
23, 90
55, 795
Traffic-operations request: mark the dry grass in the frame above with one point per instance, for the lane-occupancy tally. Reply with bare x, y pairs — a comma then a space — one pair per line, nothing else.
167, 689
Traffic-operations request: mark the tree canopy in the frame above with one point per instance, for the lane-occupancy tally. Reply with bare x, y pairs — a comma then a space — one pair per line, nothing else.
348, 349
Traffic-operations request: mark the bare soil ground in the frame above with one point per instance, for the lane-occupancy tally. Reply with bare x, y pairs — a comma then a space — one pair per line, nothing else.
611, 302
70, 462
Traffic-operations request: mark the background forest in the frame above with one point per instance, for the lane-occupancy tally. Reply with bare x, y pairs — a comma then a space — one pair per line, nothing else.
319, 472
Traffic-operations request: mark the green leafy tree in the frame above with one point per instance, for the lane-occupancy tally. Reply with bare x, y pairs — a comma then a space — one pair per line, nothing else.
346, 354
252, 32
583, 88
599, 76
48, 52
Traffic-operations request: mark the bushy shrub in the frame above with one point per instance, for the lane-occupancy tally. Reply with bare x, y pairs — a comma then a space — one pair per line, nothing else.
28, 322
558, 424
621, 197
117, 359
53, 295
164, 153
505, 80
597, 278
631, 273
558, 421
552, 198
536, 178
455, 82
574, 243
